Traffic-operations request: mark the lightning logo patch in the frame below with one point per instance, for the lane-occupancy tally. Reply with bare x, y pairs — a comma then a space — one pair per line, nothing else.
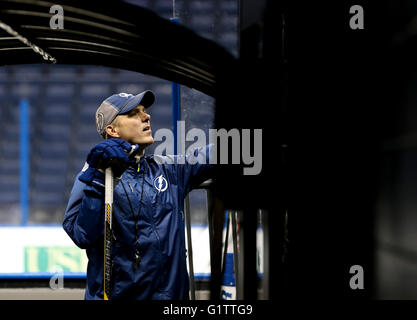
160, 183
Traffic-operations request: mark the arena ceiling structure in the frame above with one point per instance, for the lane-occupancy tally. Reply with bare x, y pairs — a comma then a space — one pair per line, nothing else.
114, 34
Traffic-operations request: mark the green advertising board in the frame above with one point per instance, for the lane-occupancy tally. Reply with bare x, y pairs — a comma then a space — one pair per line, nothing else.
49, 259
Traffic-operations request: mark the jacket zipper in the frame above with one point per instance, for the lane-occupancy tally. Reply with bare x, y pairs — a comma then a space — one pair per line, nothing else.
151, 216
154, 229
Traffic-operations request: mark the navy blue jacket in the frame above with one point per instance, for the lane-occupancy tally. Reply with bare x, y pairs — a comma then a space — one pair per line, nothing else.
159, 227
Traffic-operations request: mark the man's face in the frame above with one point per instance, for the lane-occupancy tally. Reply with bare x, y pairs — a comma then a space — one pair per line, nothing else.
135, 127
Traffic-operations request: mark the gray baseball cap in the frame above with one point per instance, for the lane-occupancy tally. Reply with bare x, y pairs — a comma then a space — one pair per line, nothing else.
120, 103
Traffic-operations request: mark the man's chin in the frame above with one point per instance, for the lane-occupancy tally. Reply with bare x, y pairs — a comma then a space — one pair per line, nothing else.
146, 142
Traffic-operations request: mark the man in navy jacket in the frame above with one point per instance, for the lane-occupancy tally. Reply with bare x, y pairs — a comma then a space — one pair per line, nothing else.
148, 253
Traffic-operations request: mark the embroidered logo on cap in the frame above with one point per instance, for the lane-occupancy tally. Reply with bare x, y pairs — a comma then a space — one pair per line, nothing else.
125, 95
100, 121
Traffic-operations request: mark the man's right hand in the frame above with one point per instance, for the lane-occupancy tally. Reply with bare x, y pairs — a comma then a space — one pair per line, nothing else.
115, 153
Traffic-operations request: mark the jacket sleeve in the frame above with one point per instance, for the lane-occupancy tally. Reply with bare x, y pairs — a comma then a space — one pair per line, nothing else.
197, 167
84, 217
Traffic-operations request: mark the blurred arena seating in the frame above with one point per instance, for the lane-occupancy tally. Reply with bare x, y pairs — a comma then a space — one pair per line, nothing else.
62, 104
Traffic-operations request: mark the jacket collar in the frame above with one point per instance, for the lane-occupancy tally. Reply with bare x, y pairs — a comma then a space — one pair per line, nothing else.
148, 158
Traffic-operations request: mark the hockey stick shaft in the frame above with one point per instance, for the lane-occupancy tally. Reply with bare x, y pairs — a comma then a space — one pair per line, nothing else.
108, 213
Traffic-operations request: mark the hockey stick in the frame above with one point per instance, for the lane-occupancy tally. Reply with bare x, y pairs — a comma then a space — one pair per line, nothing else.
108, 227
108, 213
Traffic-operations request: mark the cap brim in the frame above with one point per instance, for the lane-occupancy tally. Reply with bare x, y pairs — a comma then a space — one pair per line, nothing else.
146, 99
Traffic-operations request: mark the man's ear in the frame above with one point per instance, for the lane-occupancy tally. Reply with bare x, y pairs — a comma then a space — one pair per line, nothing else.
112, 131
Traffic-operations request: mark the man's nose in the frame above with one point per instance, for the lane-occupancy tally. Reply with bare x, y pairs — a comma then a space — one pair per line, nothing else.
146, 117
